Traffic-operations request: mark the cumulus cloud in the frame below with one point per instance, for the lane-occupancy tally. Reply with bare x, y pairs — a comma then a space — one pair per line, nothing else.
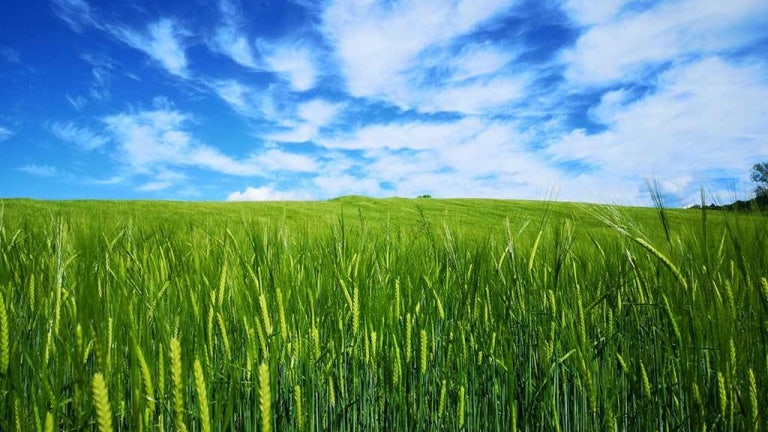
263, 193
80, 136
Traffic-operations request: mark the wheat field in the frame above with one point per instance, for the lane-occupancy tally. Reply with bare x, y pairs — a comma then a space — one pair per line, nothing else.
360, 314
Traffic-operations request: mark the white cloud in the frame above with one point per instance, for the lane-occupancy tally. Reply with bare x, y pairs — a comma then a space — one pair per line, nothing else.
149, 140
263, 193
411, 135
39, 170
238, 96
164, 179
472, 98
228, 38
163, 41
619, 49
158, 143
468, 157
477, 60
76, 13
380, 45
309, 118
77, 102
80, 136
587, 12
236, 46
318, 112
5, 133
274, 160
293, 61
703, 117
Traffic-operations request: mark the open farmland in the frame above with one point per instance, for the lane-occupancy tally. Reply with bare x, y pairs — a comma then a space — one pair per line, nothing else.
359, 314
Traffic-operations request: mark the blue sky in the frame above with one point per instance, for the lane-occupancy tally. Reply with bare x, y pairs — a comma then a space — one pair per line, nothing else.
269, 100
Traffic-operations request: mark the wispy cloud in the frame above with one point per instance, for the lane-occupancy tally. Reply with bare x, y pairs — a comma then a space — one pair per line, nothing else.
705, 116
78, 14
263, 193
621, 46
275, 160
293, 61
159, 144
163, 41
163, 180
309, 118
39, 170
228, 39
77, 102
467, 157
380, 47
151, 140
446, 97
243, 99
588, 12
82, 137
5, 133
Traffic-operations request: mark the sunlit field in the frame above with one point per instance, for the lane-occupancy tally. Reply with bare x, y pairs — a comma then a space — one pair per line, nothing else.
358, 314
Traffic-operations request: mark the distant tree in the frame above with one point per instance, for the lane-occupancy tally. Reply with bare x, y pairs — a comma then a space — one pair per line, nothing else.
425, 196
760, 176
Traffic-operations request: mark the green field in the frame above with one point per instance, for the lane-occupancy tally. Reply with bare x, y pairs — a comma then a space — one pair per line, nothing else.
358, 314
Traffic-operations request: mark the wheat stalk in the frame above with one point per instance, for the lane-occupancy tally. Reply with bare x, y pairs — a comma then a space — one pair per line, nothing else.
49, 422
281, 315
5, 346
754, 406
265, 314
146, 377
178, 385
265, 398
423, 351
647, 246
298, 403
462, 407
101, 403
202, 397
722, 394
